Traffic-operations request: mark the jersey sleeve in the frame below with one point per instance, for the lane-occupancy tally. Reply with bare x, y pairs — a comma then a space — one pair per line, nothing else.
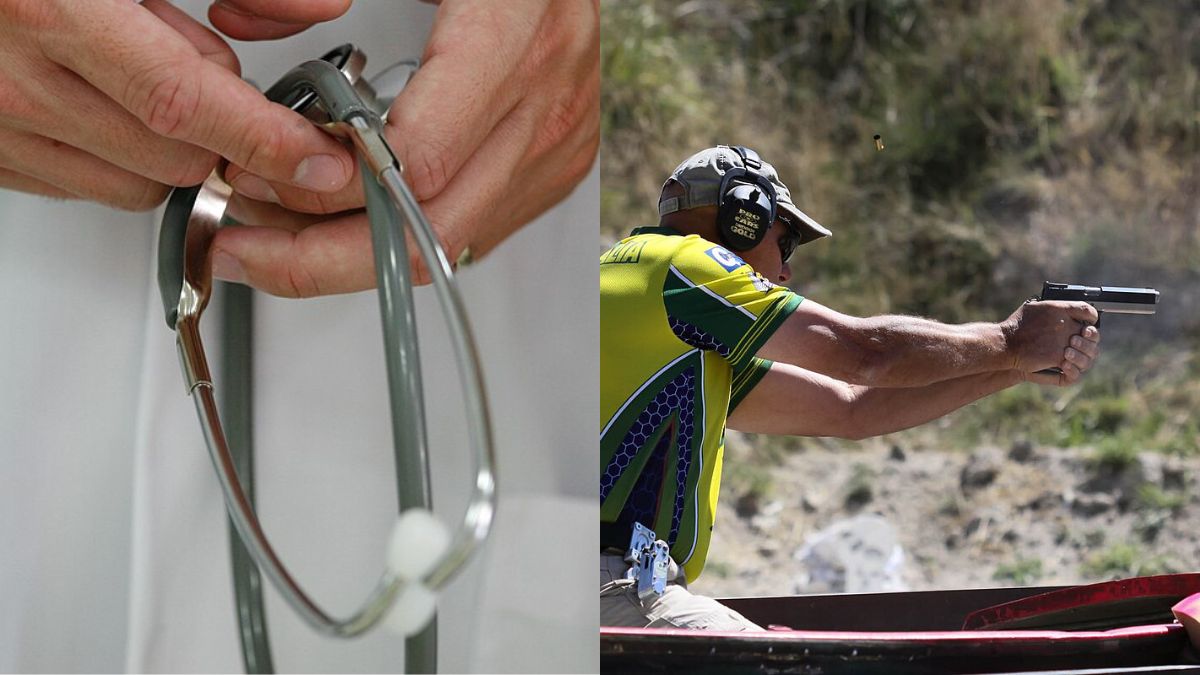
717, 302
745, 378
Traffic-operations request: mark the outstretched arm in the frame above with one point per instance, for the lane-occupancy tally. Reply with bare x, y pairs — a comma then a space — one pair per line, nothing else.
792, 400
903, 351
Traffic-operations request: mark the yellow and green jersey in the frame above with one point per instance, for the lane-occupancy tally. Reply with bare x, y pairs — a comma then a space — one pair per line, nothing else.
680, 321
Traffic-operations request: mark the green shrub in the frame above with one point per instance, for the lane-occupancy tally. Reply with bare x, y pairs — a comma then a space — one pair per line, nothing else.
1022, 571
1124, 560
1114, 453
1152, 497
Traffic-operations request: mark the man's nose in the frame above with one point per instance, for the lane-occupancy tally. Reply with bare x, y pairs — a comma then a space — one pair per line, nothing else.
785, 274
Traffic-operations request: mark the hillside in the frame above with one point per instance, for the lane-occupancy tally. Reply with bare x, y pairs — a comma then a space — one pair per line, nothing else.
1024, 140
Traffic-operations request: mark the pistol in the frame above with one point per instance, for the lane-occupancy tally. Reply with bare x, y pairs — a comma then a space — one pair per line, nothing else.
1106, 300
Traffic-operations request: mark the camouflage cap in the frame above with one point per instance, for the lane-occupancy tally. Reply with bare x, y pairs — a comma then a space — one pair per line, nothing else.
700, 175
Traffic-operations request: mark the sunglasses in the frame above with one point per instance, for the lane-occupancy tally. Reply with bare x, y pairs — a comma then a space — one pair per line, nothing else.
789, 240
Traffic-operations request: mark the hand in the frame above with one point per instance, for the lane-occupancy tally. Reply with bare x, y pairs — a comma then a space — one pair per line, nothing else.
1041, 334
1078, 357
499, 124
115, 101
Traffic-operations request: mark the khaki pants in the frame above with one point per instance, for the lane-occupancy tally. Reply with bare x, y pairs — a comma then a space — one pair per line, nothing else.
677, 607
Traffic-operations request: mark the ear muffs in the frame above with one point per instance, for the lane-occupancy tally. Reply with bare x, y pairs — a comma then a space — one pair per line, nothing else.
746, 203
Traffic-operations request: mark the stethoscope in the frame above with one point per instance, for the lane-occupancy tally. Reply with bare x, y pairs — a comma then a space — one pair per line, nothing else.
422, 556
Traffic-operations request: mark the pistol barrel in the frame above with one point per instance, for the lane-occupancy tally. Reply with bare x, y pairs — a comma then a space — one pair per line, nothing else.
1107, 299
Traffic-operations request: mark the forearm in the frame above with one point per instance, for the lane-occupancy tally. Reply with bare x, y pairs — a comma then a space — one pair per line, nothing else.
878, 410
887, 351
905, 351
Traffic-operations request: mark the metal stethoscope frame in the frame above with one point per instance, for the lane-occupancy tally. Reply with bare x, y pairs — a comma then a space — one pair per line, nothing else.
331, 92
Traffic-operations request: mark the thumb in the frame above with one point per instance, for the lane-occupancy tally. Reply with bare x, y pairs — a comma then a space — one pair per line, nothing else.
1081, 311
271, 19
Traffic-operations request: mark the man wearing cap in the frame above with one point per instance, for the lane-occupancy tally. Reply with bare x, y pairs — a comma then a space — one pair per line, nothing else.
696, 336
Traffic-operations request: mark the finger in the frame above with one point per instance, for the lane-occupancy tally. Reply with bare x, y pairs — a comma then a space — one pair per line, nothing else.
296, 199
326, 258
1081, 311
1089, 347
1070, 372
105, 129
79, 172
58, 104
476, 209
12, 180
161, 78
546, 183
250, 212
1077, 358
1090, 333
485, 205
464, 87
207, 43
271, 19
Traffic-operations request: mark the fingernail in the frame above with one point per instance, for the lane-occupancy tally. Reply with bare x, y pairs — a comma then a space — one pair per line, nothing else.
228, 268
255, 188
232, 8
323, 173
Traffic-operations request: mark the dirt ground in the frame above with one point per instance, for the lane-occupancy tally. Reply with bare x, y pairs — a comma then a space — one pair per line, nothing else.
994, 517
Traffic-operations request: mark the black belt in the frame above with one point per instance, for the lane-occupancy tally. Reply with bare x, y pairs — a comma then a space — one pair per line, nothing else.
615, 535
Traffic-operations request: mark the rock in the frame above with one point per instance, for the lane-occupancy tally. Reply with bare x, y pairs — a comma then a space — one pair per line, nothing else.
985, 525
1043, 500
981, 469
1088, 505
1120, 480
1149, 527
747, 505
767, 518
857, 555
1174, 477
1021, 451
897, 453
773, 508
972, 526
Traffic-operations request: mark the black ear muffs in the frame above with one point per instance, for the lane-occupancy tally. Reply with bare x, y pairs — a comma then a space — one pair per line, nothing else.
745, 203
